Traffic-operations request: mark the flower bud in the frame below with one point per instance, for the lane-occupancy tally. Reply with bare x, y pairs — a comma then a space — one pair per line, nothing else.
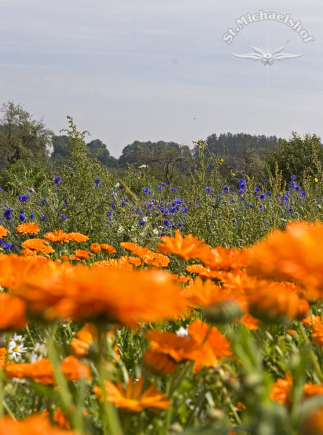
223, 311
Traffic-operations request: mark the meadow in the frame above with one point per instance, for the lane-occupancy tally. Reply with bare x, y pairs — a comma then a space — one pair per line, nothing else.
131, 306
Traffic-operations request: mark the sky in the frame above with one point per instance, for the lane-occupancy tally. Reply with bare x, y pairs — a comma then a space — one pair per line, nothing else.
154, 70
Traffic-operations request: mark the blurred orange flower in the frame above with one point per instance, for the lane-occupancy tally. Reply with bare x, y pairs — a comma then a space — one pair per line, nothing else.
317, 333
203, 272
278, 302
185, 247
310, 320
74, 370
84, 337
225, 259
61, 419
3, 357
311, 389
57, 236
107, 249
3, 231
153, 259
313, 423
40, 371
249, 322
159, 363
83, 293
12, 313
281, 389
95, 248
132, 398
293, 255
28, 228
122, 263
77, 237
34, 425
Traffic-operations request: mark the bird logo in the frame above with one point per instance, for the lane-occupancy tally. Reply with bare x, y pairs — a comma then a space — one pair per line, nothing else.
267, 58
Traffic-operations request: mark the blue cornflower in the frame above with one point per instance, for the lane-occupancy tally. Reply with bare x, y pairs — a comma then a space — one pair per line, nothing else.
8, 246
163, 184
99, 187
1, 241
180, 224
7, 214
142, 223
293, 177
242, 198
262, 196
174, 189
184, 210
43, 218
147, 191
23, 198
159, 188
32, 216
31, 236
167, 223
22, 217
240, 190
242, 183
266, 180
97, 180
298, 188
63, 217
226, 189
269, 194
44, 201
208, 190
303, 194
257, 189
57, 180
292, 184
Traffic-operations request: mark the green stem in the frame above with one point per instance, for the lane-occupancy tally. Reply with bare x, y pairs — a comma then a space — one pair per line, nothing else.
235, 413
1, 395
30, 336
5, 405
198, 404
312, 354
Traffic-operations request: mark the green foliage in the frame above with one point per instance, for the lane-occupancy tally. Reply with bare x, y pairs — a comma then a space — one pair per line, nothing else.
21, 137
300, 157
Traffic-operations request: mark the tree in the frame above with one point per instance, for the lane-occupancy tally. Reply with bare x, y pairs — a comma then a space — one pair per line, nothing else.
161, 156
21, 137
99, 150
300, 157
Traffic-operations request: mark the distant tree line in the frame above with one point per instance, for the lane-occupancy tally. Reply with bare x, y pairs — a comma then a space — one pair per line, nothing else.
23, 139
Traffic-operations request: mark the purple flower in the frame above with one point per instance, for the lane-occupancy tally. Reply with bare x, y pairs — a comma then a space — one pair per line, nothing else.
174, 189
163, 184
22, 217
293, 177
167, 223
97, 180
208, 189
262, 196
63, 217
23, 198
8, 246
57, 180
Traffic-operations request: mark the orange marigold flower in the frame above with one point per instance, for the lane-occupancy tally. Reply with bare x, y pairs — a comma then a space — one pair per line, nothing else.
249, 322
240, 406
137, 250
77, 237
182, 279
135, 261
28, 228
3, 231
278, 302
293, 255
61, 419
310, 320
67, 258
82, 293
57, 236
203, 271
159, 363
95, 248
204, 294
311, 389
153, 259
37, 424
132, 398
28, 253
81, 254
84, 337
3, 356
281, 389
122, 263
225, 259
12, 313
185, 247
38, 245
107, 249
74, 370
317, 333
40, 371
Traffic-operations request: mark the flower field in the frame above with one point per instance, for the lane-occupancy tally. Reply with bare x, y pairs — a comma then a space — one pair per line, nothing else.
129, 306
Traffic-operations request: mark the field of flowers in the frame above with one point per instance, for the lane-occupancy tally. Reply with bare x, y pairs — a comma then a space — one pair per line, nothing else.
129, 306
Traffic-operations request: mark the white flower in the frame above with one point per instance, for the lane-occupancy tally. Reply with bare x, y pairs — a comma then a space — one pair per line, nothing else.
142, 166
145, 219
117, 185
16, 347
155, 231
38, 352
120, 229
182, 332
